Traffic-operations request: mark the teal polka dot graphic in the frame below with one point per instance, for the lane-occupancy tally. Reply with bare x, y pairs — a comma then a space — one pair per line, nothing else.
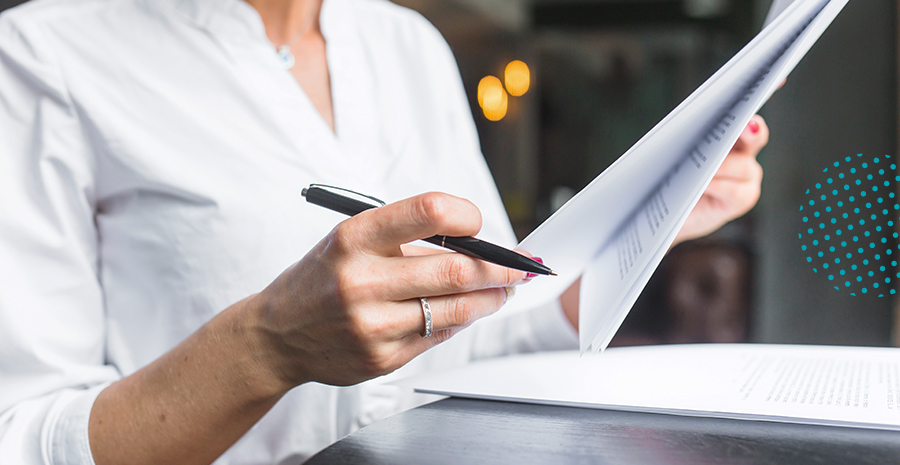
847, 226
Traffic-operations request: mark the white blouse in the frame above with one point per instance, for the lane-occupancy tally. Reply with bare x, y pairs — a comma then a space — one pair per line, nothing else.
152, 153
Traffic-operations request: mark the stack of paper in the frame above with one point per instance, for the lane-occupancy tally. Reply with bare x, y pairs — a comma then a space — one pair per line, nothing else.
614, 233
846, 386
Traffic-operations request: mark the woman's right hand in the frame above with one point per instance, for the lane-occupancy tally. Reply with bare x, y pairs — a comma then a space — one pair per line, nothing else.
349, 310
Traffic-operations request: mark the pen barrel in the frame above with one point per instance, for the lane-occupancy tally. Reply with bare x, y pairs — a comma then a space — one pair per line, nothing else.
477, 248
323, 196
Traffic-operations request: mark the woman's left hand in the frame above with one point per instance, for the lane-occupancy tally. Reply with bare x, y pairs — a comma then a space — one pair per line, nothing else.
735, 188
733, 192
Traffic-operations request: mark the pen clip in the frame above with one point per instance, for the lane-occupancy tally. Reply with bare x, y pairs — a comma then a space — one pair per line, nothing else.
359, 197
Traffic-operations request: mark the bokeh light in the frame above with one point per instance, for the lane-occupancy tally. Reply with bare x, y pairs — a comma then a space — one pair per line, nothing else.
517, 78
495, 103
486, 83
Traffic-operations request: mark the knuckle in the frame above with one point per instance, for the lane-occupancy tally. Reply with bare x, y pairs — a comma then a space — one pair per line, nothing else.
757, 170
348, 287
365, 357
367, 325
378, 362
462, 311
754, 195
441, 336
343, 237
376, 326
359, 327
433, 207
368, 366
446, 212
356, 331
458, 273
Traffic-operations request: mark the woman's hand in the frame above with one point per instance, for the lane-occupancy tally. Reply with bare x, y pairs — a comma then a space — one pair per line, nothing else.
733, 192
735, 188
350, 311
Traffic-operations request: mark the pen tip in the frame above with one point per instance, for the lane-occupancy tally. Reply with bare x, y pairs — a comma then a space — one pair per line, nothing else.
553, 273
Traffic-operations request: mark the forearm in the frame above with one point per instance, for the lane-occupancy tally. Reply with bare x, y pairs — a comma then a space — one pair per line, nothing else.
190, 405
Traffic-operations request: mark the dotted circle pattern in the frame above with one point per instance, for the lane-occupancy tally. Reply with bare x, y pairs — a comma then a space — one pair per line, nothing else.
847, 222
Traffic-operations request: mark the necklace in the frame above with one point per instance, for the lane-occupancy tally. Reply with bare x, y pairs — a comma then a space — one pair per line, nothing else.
286, 57
284, 51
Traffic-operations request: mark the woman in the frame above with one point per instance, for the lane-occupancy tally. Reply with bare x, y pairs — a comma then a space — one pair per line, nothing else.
153, 152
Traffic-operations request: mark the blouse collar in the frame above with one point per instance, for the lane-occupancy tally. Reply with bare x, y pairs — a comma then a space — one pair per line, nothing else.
236, 19
231, 18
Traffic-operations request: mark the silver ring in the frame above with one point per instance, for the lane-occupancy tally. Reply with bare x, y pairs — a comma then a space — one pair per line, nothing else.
426, 310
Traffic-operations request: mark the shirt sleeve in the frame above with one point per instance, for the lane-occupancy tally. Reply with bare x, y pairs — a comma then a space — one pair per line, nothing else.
51, 302
543, 327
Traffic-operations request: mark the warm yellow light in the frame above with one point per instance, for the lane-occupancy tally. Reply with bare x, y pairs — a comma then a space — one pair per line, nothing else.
487, 82
517, 78
494, 103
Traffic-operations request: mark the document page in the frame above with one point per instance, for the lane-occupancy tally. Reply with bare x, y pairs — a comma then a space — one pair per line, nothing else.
614, 233
844, 386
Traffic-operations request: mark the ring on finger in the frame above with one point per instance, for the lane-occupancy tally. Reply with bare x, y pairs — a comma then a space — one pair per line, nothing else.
426, 311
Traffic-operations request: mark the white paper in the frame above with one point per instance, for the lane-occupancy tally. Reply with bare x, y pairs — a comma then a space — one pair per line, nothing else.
844, 386
614, 233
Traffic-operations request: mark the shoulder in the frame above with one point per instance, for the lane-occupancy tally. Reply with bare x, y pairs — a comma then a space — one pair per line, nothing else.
400, 27
36, 13
40, 26
400, 38
26, 52
388, 14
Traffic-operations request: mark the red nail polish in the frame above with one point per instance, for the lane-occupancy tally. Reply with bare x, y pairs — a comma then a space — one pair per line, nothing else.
754, 126
531, 275
538, 259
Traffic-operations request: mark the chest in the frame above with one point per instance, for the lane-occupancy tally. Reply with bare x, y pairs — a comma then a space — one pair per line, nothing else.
204, 145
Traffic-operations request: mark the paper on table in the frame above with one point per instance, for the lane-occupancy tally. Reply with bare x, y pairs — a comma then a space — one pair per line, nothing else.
844, 386
615, 231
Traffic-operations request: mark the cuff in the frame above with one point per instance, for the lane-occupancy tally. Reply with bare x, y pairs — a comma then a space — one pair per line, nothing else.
537, 329
552, 330
69, 441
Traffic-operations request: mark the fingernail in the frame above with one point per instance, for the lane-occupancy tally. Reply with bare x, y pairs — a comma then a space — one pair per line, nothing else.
754, 126
510, 293
534, 275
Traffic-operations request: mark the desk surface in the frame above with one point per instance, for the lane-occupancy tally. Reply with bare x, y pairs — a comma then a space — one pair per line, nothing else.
460, 431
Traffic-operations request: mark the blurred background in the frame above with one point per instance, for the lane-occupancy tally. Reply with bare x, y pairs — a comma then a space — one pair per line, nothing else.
604, 72
590, 77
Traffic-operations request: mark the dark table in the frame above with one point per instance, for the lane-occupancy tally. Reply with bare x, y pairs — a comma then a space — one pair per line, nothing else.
461, 431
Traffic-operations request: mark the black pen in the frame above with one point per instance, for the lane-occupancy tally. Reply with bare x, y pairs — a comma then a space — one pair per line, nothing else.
350, 203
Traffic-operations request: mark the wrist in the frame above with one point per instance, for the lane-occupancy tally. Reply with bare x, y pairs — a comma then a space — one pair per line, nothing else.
253, 352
